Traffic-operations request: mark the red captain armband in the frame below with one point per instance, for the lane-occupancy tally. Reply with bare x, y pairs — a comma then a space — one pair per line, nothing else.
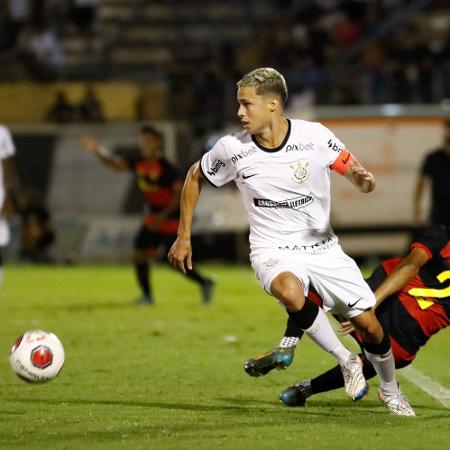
342, 162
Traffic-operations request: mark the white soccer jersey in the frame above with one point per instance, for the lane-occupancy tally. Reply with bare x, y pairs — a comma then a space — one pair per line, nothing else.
6, 150
286, 190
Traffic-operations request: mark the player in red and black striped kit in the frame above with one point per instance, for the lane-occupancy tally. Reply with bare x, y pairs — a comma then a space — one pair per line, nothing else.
161, 185
413, 303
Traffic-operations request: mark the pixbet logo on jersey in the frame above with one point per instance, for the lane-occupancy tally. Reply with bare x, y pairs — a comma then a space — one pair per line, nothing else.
243, 154
300, 147
216, 167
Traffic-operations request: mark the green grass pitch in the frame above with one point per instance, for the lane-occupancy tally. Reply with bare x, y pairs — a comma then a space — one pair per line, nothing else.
170, 376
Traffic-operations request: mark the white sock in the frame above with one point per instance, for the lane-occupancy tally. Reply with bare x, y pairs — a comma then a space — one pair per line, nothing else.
289, 341
385, 368
324, 336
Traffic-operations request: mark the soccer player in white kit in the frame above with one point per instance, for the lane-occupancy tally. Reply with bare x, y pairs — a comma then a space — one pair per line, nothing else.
6, 151
282, 168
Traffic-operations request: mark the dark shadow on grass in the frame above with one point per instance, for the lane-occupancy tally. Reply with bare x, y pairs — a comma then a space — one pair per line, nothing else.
367, 404
163, 405
344, 405
247, 401
93, 306
340, 410
238, 409
10, 413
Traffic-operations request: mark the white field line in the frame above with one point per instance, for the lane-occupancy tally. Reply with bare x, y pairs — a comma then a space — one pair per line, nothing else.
428, 385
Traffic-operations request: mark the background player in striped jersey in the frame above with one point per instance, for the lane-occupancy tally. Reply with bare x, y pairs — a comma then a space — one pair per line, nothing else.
7, 150
282, 168
160, 183
413, 303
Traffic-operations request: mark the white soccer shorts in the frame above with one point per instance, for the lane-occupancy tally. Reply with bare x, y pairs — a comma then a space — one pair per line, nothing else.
334, 275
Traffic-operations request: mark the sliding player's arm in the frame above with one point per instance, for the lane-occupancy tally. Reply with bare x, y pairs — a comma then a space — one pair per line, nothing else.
180, 254
402, 274
108, 158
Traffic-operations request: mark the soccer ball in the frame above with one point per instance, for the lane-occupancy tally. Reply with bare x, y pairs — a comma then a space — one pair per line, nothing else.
37, 356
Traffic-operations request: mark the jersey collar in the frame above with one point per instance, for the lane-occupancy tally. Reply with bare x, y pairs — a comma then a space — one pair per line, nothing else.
276, 149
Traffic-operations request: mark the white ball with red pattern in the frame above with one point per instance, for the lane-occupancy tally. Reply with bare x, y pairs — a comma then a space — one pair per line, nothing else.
37, 356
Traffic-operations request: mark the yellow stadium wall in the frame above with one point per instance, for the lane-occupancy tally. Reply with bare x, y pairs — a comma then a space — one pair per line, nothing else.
30, 102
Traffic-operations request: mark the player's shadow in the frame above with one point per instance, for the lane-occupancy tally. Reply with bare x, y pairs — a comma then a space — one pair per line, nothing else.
340, 410
234, 408
341, 406
93, 306
131, 403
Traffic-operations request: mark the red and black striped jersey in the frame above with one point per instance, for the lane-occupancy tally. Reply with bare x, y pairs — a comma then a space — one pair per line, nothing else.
156, 179
422, 307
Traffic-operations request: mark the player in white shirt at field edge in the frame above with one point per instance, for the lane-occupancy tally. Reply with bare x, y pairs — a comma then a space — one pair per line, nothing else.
7, 150
282, 168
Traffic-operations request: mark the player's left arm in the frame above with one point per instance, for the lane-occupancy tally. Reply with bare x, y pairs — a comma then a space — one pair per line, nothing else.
359, 176
346, 164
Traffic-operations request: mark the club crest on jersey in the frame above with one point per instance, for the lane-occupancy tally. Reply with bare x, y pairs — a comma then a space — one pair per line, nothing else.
301, 172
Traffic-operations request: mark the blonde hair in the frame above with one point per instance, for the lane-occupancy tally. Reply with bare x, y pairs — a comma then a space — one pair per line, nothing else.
266, 81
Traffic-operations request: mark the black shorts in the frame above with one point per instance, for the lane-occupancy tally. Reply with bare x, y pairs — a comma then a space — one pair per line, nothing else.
152, 241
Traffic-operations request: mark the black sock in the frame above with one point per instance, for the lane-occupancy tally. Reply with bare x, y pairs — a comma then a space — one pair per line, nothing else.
306, 316
292, 329
195, 276
378, 349
142, 273
327, 381
333, 379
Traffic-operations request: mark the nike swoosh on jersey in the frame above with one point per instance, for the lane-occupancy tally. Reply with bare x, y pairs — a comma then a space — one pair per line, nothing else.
249, 176
351, 305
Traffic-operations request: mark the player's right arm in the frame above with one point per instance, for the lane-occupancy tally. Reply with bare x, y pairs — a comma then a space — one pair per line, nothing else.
215, 167
108, 158
180, 254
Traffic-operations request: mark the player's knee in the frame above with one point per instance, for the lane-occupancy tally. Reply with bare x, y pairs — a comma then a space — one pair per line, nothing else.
288, 289
373, 332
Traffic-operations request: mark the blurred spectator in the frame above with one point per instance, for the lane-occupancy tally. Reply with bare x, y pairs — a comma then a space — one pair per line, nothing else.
37, 234
90, 109
339, 51
62, 111
41, 51
83, 13
435, 174
18, 14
